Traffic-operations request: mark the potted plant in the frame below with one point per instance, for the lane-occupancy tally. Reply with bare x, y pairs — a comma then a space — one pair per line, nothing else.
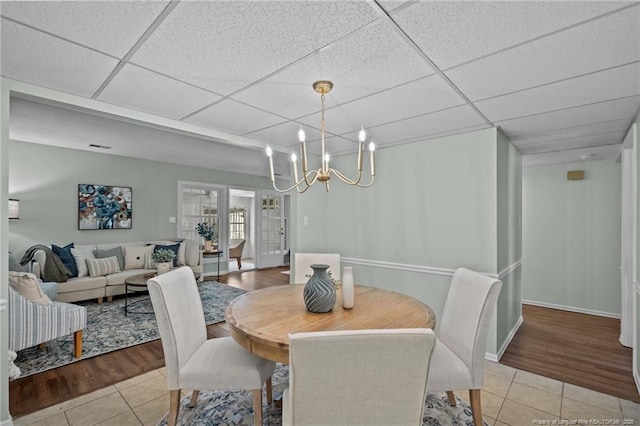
164, 260
205, 230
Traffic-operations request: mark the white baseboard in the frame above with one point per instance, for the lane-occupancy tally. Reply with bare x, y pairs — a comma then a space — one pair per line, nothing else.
7, 422
496, 357
571, 309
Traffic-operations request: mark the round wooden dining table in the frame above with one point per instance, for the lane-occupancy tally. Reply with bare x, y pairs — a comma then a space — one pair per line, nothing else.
261, 320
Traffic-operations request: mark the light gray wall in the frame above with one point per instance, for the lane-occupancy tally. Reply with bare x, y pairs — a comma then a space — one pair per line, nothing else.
434, 205
45, 180
571, 241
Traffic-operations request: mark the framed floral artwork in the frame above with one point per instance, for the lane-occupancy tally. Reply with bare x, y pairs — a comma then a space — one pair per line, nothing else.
104, 207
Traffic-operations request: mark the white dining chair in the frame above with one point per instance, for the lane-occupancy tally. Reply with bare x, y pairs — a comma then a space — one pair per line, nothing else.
458, 357
303, 262
357, 377
192, 361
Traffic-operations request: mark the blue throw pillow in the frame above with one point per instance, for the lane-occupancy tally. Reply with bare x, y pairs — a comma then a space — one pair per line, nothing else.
174, 248
64, 253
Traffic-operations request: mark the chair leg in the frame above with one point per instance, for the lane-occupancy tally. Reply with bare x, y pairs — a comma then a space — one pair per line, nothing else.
257, 407
174, 407
194, 398
77, 344
269, 391
452, 398
476, 407
239, 263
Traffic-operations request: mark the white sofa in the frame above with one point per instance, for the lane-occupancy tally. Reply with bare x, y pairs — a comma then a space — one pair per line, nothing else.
99, 287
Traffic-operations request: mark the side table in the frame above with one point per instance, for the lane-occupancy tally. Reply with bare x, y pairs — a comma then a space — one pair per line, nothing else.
216, 253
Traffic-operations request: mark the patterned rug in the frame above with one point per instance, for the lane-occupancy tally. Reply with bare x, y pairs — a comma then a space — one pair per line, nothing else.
225, 408
109, 330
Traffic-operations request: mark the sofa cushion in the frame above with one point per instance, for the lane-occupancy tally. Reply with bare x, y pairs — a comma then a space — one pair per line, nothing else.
26, 284
108, 265
80, 255
107, 246
149, 262
182, 251
84, 283
116, 251
64, 253
173, 247
134, 256
119, 277
14, 264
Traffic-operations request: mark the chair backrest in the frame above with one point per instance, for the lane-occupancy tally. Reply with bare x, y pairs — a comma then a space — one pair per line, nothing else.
366, 377
180, 316
303, 262
464, 325
236, 249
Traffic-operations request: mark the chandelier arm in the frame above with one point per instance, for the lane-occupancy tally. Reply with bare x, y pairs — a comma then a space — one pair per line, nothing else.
346, 179
298, 183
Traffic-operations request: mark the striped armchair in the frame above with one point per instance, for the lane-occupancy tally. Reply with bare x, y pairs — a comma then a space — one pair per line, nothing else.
32, 323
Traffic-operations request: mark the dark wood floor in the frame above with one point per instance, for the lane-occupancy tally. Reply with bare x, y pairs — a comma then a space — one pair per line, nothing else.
580, 349
575, 348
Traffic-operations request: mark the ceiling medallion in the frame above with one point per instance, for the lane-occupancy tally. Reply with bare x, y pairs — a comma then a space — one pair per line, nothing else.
323, 174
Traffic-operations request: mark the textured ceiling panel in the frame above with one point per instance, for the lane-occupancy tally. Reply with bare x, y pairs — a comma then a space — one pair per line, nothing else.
571, 156
208, 43
573, 132
112, 27
285, 134
137, 88
223, 116
571, 143
420, 97
577, 51
606, 85
373, 59
451, 33
572, 117
34, 57
425, 125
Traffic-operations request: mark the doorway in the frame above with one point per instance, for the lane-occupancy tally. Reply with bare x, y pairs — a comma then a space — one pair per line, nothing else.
242, 229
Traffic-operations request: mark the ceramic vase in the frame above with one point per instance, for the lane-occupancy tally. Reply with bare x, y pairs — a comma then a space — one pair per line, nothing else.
163, 267
347, 288
319, 291
207, 246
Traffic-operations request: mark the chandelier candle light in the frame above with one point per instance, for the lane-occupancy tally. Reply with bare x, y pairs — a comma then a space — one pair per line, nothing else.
323, 174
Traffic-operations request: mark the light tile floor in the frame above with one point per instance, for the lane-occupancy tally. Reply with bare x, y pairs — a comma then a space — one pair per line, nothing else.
509, 397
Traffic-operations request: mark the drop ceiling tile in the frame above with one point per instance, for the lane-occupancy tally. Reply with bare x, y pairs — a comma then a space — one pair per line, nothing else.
285, 134
112, 27
606, 152
424, 125
572, 117
144, 90
417, 98
223, 46
571, 143
34, 57
597, 45
373, 59
573, 132
233, 117
451, 33
597, 87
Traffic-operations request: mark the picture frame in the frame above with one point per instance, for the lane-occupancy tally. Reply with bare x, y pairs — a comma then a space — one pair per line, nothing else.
104, 207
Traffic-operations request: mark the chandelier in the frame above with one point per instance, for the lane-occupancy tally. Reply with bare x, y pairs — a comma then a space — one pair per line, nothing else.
323, 174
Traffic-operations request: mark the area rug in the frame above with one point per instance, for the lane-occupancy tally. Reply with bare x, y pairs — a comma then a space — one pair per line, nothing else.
225, 408
109, 330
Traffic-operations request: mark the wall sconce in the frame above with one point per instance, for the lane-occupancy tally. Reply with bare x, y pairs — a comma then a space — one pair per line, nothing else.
14, 209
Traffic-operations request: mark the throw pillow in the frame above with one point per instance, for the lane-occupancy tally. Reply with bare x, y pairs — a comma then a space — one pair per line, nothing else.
99, 267
80, 255
64, 253
116, 251
148, 262
192, 252
134, 256
174, 248
182, 254
26, 284
14, 265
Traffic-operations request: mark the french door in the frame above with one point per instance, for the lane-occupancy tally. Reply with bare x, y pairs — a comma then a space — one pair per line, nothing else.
271, 244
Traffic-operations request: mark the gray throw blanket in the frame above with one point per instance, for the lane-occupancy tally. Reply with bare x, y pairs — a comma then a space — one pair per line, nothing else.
53, 268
